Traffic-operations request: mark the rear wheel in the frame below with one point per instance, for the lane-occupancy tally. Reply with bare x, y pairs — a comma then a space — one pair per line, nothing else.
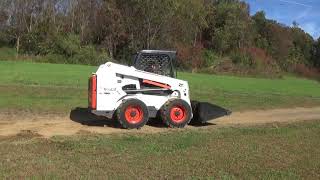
132, 114
176, 113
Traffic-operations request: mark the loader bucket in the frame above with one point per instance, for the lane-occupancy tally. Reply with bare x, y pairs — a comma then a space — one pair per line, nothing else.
203, 112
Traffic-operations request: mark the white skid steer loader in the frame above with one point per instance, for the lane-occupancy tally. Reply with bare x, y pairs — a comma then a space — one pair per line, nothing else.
148, 89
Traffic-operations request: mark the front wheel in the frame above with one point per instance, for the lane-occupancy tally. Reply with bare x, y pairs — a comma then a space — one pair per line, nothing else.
132, 114
176, 113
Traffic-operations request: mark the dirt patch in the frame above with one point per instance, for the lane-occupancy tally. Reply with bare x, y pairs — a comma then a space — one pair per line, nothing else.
80, 120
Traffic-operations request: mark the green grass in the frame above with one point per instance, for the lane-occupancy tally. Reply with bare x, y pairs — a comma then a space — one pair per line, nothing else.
50, 99
289, 86
61, 87
272, 152
26, 73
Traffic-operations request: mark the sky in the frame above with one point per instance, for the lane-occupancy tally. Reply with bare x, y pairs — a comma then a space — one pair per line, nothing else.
305, 12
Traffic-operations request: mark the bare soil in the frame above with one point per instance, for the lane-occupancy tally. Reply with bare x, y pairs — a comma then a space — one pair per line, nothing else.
79, 121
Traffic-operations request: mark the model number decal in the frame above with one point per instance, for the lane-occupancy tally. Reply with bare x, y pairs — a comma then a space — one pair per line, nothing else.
110, 89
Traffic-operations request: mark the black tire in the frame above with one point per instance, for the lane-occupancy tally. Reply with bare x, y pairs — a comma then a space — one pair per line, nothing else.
171, 117
128, 114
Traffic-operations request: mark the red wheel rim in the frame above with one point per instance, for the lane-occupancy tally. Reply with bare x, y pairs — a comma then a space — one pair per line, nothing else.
178, 114
133, 114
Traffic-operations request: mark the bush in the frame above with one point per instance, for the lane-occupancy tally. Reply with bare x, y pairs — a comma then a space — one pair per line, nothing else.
60, 48
30, 44
4, 39
55, 58
88, 55
307, 72
242, 59
210, 58
190, 57
249, 61
68, 49
7, 53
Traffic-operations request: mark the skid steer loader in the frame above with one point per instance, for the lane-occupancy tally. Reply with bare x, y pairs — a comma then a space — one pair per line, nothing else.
147, 89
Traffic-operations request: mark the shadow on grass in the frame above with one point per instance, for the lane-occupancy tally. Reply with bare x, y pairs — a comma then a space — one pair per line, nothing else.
85, 117
200, 124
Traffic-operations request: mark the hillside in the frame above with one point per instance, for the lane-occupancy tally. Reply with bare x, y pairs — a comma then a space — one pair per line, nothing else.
209, 36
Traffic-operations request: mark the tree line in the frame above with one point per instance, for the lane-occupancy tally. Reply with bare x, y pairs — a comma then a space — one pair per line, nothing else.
209, 35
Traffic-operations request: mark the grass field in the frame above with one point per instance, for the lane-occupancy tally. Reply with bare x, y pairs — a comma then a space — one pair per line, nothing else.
276, 151
269, 152
59, 88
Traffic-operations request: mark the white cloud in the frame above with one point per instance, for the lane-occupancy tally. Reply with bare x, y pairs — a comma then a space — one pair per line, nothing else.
296, 3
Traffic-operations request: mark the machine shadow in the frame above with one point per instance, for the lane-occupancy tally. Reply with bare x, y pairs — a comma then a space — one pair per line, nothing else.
196, 123
156, 122
84, 117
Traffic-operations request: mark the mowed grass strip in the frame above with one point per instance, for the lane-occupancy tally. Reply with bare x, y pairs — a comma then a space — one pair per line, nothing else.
61, 87
27, 73
42, 74
275, 151
62, 99
41, 99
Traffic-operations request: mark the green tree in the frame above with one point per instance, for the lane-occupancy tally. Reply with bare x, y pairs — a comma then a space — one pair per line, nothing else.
260, 27
316, 54
303, 43
229, 26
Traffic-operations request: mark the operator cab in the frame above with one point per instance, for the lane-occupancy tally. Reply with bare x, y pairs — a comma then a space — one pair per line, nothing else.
156, 61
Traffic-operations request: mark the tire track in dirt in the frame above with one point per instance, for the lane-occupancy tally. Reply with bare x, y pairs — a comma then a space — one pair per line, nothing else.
81, 121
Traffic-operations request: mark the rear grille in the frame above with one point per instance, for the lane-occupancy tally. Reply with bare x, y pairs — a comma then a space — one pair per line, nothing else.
155, 63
